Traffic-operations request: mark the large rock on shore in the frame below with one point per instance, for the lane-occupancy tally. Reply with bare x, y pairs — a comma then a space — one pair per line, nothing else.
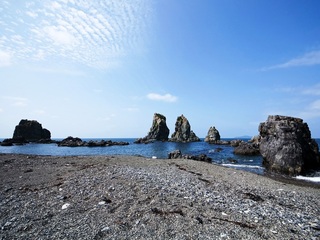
175, 154
213, 135
286, 146
158, 131
183, 132
30, 131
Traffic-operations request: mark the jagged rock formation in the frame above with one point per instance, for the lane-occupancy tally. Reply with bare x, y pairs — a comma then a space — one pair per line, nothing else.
183, 132
213, 135
78, 142
286, 146
158, 131
30, 131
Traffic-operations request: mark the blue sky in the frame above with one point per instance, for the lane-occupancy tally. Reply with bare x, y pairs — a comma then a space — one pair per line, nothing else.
103, 68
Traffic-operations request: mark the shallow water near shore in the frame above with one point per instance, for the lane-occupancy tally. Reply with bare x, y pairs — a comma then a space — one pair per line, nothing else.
220, 154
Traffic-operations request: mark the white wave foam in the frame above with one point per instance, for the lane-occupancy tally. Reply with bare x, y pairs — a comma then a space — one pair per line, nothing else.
241, 166
310, 179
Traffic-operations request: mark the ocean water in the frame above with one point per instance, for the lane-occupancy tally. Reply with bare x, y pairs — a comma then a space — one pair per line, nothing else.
220, 154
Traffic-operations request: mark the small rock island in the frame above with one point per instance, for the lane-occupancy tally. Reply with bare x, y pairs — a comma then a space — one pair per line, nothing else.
158, 131
28, 131
183, 132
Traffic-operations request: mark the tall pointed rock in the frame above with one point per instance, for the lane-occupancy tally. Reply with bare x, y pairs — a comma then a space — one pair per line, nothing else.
158, 131
213, 135
183, 132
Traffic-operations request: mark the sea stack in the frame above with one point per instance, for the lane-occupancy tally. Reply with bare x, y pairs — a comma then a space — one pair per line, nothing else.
286, 146
213, 135
30, 131
183, 132
158, 131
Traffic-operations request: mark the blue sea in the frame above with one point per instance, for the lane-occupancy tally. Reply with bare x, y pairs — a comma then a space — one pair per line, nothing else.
221, 154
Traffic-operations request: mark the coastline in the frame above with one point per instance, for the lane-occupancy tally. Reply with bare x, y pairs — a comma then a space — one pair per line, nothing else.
128, 197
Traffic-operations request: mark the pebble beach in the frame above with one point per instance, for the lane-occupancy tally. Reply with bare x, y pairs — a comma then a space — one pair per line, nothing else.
130, 197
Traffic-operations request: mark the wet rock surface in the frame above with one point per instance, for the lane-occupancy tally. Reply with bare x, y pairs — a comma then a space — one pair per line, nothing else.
116, 197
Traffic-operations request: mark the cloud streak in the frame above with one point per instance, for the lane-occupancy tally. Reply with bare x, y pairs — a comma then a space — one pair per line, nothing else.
5, 59
306, 101
309, 59
314, 90
164, 98
312, 110
95, 33
16, 101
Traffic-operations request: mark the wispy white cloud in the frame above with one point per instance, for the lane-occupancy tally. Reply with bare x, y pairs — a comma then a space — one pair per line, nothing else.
313, 90
16, 101
312, 110
59, 36
315, 105
300, 101
32, 14
95, 33
5, 59
308, 59
165, 98
58, 71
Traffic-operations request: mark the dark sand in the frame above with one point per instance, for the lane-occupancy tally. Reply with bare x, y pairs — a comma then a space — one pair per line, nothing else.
122, 197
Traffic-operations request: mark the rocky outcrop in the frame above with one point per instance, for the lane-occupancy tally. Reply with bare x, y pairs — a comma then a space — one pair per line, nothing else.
177, 154
71, 142
183, 132
10, 141
286, 146
247, 149
222, 142
6, 142
78, 142
31, 131
158, 131
236, 142
255, 140
200, 157
213, 135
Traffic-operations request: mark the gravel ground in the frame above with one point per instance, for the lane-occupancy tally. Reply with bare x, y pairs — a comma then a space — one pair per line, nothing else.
122, 197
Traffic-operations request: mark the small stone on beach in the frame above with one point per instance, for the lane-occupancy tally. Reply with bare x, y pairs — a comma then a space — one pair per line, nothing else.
65, 206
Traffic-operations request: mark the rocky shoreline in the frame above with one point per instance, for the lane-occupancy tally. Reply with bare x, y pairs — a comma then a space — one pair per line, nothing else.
122, 197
